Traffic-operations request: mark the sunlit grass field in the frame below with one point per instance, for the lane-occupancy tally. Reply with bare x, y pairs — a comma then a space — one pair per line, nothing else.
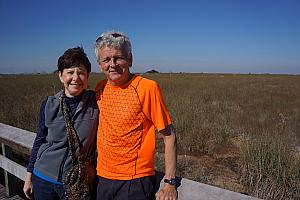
239, 132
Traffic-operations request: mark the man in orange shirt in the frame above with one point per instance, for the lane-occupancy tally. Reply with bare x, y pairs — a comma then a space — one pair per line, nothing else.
132, 109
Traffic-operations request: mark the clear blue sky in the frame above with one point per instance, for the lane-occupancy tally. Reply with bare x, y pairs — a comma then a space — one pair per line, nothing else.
231, 36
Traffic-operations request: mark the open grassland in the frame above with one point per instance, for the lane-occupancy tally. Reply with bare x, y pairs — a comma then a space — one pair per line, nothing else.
239, 132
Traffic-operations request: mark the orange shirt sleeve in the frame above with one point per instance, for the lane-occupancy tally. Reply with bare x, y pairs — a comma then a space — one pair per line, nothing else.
154, 105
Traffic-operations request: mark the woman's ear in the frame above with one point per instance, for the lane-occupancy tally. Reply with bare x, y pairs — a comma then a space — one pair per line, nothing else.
60, 76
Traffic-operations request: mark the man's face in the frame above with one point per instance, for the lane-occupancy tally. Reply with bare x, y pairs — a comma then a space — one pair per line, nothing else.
115, 65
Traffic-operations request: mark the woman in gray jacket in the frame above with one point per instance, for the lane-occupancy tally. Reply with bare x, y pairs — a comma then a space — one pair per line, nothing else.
50, 158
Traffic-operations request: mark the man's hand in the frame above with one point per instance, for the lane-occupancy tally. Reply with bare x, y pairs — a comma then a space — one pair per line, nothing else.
27, 188
168, 192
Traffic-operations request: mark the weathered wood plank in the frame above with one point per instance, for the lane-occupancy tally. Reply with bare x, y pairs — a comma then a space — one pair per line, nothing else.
18, 139
13, 167
191, 190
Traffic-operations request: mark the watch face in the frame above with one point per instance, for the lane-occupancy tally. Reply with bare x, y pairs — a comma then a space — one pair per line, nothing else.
171, 181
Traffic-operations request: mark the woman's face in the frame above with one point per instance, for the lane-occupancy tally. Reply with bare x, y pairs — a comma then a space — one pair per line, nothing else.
75, 80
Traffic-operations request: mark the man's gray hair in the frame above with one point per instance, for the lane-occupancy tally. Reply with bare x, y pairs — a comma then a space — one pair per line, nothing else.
113, 39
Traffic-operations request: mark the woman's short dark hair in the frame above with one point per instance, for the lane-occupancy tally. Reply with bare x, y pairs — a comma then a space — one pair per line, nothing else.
73, 57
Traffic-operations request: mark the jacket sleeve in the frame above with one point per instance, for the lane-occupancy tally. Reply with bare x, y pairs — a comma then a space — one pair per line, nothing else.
40, 138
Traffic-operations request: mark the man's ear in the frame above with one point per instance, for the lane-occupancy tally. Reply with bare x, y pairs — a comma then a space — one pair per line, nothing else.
100, 68
130, 59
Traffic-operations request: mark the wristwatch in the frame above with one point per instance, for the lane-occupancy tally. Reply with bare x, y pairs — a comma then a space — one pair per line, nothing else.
171, 181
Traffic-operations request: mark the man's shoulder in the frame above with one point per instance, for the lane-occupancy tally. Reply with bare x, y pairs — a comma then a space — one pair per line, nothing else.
100, 85
144, 83
99, 88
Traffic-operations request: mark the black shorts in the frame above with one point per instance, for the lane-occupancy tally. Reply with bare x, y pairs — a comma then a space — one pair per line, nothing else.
135, 189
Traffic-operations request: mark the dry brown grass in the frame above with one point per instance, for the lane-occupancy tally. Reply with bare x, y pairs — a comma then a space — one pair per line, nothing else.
239, 132
242, 130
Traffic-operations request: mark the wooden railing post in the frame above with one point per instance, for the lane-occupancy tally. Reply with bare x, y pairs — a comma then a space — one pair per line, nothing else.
9, 179
5, 172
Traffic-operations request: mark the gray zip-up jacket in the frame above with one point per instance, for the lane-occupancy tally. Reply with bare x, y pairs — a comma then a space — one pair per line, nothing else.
53, 159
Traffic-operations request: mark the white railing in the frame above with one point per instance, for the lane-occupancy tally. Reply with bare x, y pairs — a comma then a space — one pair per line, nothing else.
21, 141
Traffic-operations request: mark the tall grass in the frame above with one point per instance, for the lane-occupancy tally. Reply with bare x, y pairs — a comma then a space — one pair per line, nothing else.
21, 96
211, 113
270, 169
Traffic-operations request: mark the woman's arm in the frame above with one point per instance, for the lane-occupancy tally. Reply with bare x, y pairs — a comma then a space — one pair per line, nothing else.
27, 188
40, 138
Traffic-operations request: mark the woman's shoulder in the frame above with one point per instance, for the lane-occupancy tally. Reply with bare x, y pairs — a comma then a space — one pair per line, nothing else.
43, 104
90, 92
52, 102
55, 96
89, 97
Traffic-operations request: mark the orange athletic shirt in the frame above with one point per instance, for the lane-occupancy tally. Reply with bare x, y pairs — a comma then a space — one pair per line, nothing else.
129, 117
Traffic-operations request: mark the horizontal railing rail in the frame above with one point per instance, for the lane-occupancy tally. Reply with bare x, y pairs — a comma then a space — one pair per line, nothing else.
21, 141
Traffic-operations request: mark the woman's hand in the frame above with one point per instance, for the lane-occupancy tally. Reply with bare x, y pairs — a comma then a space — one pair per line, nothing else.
27, 188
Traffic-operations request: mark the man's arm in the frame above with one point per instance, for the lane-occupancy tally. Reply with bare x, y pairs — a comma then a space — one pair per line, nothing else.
168, 191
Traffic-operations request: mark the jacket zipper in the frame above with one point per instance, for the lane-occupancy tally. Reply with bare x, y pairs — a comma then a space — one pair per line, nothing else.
61, 169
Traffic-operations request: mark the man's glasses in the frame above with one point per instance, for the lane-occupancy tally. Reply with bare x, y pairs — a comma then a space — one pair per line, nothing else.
115, 35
